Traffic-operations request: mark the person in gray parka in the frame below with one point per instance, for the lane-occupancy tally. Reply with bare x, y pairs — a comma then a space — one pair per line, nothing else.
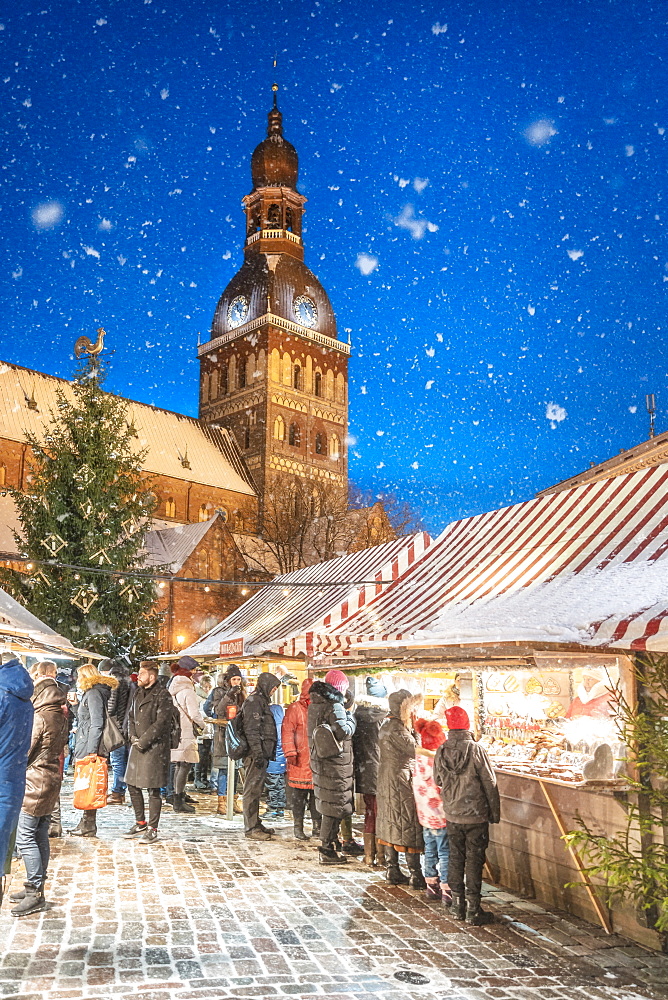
397, 825
471, 802
149, 732
332, 775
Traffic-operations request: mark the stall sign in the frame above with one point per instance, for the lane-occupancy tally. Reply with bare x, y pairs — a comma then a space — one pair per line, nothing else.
232, 647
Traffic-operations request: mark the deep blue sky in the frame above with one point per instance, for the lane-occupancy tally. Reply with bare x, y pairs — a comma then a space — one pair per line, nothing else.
527, 279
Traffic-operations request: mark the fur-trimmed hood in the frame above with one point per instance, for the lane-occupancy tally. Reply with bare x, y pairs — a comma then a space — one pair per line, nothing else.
321, 690
402, 703
87, 683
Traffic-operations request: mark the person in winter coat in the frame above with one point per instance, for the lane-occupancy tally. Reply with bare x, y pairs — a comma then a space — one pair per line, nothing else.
205, 739
94, 692
182, 690
225, 703
43, 780
149, 732
299, 776
430, 811
16, 717
370, 712
471, 802
332, 775
259, 728
117, 709
397, 825
275, 781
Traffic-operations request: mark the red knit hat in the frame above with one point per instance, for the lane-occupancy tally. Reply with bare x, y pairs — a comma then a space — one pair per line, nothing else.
338, 680
457, 718
431, 733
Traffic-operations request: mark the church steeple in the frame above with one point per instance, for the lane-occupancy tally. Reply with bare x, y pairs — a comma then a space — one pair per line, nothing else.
274, 208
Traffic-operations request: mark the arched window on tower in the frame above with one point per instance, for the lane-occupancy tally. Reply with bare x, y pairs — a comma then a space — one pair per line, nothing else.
241, 374
223, 381
203, 513
320, 444
288, 219
297, 382
170, 507
247, 437
274, 217
3, 474
279, 429
295, 436
317, 384
334, 447
214, 384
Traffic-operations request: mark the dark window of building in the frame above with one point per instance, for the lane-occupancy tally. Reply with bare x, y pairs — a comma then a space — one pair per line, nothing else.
241, 374
317, 384
247, 437
274, 217
297, 377
320, 444
223, 381
288, 219
295, 435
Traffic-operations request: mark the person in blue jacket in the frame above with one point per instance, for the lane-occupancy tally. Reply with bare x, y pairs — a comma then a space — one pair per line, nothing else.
16, 715
275, 781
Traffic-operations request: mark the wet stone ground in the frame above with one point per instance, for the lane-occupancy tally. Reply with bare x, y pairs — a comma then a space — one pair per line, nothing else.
204, 913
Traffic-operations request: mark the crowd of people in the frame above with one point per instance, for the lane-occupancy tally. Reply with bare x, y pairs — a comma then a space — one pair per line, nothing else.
428, 788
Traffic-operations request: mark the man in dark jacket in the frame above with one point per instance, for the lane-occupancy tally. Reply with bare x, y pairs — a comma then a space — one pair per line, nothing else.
149, 732
471, 802
370, 711
259, 728
16, 715
117, 709
43, 780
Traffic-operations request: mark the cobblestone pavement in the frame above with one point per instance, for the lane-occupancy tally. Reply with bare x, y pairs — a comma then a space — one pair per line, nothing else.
204, 913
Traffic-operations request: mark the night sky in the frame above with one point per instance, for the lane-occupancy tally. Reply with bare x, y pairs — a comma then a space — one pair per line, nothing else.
486, 188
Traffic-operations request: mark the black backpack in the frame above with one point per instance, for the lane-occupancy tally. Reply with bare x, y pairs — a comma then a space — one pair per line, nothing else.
236, 743
175, 728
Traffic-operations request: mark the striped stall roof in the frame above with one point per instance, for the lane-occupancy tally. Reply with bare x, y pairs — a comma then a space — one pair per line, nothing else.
281, 618
586, 565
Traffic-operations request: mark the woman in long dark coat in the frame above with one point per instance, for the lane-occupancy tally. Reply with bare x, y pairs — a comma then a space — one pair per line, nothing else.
94, 691
332, 776
230, 694
370, 712
397, 825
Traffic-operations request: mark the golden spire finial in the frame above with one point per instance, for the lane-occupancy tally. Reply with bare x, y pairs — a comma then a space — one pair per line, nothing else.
274, 85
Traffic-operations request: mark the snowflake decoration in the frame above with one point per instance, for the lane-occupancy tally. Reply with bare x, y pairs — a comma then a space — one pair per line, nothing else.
85, 475
53, 543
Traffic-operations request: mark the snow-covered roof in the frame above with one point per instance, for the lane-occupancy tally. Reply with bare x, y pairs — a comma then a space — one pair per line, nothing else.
587, 565
172, 546
177, 446
282, 617
21, 629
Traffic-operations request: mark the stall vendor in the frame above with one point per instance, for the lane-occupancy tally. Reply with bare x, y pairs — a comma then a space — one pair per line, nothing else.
594, 698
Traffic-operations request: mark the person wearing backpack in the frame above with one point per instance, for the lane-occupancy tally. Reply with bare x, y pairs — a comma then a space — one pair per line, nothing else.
182, 691
224, 703
150, 723
259, 729
330, 730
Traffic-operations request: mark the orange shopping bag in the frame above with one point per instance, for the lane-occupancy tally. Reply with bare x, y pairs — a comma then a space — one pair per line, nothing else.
90, 782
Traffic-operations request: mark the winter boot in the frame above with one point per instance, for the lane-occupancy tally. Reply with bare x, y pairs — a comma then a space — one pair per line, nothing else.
369, 849
417, 878
395, 876
433, 891
298, 821
222, 805
32, 902
353, 848
475, 914
381, 861
446, 895
458, 906
16, 897
116, 799
55, 824
330, 856
87, 825
180, 804
237, 805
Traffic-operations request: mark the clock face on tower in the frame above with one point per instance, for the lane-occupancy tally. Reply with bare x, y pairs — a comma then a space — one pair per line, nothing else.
305, 311
238, 311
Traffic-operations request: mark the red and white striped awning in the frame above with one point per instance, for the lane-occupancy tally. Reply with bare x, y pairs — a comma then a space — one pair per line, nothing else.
586, 565
281, 617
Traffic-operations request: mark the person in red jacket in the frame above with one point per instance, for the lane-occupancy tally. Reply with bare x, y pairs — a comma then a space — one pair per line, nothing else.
295, 748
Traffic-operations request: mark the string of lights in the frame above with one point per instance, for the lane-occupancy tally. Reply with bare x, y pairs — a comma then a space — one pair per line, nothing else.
168, 578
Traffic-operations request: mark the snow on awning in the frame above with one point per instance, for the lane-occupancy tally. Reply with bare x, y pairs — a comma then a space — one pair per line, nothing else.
587, 565
281, 618
19, 628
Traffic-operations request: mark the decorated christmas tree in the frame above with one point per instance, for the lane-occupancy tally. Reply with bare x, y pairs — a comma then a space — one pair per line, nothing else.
83, 517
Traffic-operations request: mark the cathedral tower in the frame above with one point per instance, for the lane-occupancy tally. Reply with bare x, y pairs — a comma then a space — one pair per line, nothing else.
274, 371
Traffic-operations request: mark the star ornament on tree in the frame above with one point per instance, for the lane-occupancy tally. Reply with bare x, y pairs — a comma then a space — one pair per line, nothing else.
53, 543
84, 598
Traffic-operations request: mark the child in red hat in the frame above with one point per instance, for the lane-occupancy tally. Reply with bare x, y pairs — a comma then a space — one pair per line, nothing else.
430, 811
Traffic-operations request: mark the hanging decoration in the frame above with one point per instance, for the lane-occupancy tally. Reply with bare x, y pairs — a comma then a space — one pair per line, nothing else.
101, 557
84, 598
130, 525
87, 508
85, 475
53, 543
131, 592
43, 577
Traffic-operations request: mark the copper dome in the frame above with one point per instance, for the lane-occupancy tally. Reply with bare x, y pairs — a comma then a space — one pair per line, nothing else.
274, 162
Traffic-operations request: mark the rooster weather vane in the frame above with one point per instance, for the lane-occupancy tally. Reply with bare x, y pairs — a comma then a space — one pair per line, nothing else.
85, 346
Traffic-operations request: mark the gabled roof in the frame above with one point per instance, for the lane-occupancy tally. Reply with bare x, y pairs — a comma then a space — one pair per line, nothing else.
282, 617
171, 547
211, 453
587, 565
